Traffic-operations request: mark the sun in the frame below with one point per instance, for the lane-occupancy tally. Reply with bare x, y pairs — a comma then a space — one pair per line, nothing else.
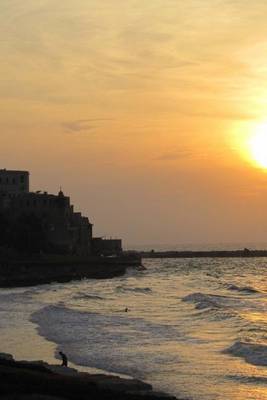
257, 145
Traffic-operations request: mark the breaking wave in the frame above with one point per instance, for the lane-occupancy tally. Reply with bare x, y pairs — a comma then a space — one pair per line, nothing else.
204, 301
252, 353
135, 290
245, 289
84, 296
105, 341
258, 380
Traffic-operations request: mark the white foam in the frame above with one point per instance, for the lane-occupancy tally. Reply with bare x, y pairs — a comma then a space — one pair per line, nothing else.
105, 341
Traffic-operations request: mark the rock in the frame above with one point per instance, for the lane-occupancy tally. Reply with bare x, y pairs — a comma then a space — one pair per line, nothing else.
6, 356
27, 380
118, 384
155, 395
62, 370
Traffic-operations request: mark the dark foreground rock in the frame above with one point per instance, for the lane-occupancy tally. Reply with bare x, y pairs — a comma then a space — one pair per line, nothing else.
22, 380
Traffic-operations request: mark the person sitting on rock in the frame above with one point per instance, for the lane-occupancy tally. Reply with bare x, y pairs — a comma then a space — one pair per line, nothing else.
64, 359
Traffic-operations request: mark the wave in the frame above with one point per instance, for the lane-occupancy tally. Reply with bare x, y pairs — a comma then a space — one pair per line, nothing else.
85, 296
204, 301
106, 341
213, 307
252, 353
261, 380
244, 289
135, 290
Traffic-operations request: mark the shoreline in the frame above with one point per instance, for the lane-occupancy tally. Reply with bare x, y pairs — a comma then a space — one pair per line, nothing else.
40, 380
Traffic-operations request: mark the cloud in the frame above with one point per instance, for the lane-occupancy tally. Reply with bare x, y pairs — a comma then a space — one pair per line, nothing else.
81, 125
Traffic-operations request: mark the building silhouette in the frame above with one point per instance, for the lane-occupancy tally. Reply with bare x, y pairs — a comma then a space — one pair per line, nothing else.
43, 222
14, 181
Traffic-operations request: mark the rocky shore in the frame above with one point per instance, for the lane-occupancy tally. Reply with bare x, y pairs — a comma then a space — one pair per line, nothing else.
47, 269
37, 380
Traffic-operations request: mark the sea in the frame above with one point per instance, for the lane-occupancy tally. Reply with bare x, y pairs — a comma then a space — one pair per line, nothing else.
195, 328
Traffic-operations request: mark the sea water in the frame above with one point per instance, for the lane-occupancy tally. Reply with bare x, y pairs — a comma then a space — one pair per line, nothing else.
196, 328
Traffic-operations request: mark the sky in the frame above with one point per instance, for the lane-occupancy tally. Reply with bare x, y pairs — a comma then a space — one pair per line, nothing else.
144, 113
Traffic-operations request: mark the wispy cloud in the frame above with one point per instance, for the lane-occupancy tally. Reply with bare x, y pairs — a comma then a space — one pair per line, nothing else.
81, 125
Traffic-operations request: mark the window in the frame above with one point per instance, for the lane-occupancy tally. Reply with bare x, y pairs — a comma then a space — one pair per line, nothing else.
13, 181
22, 178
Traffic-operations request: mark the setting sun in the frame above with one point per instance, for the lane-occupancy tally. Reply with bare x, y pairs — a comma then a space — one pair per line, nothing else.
258, 146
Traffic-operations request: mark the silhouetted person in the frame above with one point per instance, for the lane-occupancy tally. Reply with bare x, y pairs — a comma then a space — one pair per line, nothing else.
64, 359
126, 309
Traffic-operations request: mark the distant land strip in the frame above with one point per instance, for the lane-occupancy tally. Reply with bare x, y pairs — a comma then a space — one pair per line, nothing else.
204, 254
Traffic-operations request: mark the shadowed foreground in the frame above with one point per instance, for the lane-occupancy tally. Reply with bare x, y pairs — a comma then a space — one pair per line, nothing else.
21, 380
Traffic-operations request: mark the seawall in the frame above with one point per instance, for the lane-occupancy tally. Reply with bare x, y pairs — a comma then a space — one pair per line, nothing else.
30, 272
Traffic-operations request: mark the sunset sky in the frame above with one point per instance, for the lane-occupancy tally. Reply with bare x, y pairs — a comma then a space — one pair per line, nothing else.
151, 115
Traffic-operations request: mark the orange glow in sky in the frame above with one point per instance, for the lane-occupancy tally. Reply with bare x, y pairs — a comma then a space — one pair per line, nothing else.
148, 114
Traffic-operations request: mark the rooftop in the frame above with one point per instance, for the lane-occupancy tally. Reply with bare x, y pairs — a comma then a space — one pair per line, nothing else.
8, 171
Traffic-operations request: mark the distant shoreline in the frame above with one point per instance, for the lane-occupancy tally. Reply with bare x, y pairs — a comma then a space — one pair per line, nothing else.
245, 253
